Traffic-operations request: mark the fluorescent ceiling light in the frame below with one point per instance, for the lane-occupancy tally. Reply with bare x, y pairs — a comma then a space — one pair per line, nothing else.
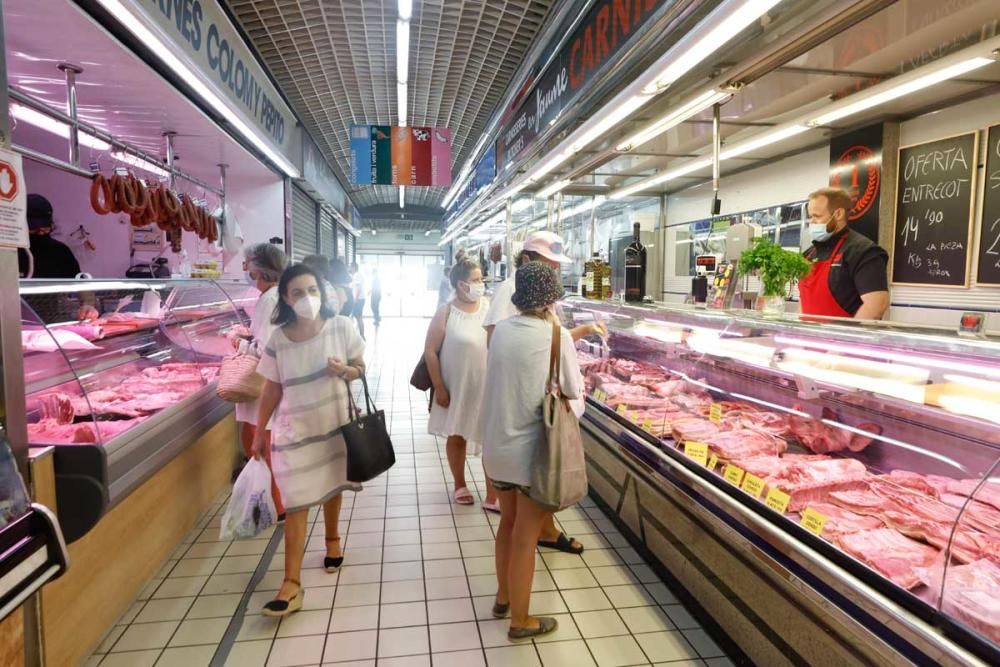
139, 163
167, 56
402, 50
747, 13
892, 92
401, 103
765, 139
551, 189
670, 175
427, 233
674, 118
522, 205
544, 168
405, 9
374, 231
608, 119
402, 197
49, 124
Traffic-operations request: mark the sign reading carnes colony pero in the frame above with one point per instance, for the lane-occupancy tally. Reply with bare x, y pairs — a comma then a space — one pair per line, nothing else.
205, 39
412, 156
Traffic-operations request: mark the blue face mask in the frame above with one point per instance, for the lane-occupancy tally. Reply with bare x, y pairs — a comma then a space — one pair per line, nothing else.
818, 232
249, 278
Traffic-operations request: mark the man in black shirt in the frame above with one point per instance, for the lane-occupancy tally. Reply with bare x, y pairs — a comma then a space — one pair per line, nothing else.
849, 274
51, 258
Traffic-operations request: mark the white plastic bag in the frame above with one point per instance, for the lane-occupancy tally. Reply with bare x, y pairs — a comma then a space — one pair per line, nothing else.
251, 509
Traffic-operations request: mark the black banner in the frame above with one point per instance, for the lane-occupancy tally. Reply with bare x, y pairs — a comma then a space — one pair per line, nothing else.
607, 27
933, 224
989, 231
856, 166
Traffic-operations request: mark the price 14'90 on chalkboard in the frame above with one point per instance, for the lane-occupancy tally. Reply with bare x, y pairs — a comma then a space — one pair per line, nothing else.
989, 231
933, 222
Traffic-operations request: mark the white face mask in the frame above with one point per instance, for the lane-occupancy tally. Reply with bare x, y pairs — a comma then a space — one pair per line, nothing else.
308, 307
475, 290
250, 280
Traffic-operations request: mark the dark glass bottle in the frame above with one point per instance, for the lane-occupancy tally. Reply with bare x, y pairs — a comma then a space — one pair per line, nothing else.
635, 268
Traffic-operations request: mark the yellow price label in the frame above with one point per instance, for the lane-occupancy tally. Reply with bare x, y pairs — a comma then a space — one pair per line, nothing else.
621, 409
599, 395
697, 451
635, 417
778, 500
715, 413
813, 521
714, 461
753, 485
647, 424
733, 475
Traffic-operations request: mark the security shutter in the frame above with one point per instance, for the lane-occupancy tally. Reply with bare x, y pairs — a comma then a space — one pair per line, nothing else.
326, 225
304, 241
351, 248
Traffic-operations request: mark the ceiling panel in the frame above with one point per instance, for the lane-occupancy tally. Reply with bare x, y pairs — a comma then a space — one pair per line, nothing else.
335, 61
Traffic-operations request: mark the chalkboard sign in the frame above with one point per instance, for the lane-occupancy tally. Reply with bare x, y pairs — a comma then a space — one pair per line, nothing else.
989, 231
933, 224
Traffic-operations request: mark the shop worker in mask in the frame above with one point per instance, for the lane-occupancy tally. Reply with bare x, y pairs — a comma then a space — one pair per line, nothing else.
51, 258
849, 272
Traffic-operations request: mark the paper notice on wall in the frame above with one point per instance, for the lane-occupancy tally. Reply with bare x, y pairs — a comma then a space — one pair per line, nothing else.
13, 202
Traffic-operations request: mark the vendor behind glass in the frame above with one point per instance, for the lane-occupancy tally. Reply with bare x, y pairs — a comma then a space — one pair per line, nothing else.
849, 276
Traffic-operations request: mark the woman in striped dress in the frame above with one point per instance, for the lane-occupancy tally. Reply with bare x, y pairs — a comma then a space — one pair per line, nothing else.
308, 363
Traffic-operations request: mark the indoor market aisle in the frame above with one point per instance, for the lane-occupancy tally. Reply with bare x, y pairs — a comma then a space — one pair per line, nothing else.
417, 585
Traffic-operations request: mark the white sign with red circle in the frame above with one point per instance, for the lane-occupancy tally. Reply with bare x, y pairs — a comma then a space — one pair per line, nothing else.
13, 202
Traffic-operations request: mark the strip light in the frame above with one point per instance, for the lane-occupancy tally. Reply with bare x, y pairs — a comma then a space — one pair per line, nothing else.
134, 25
402, 50
139, 163
402, 196
405, 9
402, 71
674, 118
766, 139
673, 174
49, 124
749, 12
550, 190
898, 90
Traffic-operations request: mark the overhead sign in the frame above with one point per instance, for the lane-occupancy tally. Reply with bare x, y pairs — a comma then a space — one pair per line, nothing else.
13, 202
316, 171
410, 156
602, 34
482, 177
856, 166
210, 45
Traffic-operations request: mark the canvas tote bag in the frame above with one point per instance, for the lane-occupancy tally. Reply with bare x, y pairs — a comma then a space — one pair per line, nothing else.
559, 470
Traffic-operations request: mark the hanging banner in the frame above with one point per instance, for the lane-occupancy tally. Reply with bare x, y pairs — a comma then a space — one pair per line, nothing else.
409, 156
856, 166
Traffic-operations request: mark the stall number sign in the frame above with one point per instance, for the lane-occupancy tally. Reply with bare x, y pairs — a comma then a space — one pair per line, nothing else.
778, 500
753, 485
13, 202
813, 521
696, 451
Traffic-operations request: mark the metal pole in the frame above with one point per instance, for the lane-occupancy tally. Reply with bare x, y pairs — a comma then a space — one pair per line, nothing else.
559, 198
222, 196
168, 137
509, 242
71, 71
716, 149
548, 213
661, 254
593, 227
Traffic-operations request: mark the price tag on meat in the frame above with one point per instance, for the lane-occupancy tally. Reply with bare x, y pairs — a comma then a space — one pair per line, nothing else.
634, 417
753, 485
715, 413
647, 424
714, 461
813, 521
621, 409
599, 395
778, 500
697, 451
734, 475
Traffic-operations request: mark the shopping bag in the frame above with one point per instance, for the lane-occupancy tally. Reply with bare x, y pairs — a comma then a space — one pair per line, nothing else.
251, 509
559, 470
369, 448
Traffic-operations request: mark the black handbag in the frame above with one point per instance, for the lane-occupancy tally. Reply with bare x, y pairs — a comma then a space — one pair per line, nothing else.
369, 448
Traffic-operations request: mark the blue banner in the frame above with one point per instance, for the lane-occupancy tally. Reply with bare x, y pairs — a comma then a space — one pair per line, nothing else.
486, 169
361, 155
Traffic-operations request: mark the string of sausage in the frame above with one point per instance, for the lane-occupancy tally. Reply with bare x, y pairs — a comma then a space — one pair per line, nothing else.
151, 205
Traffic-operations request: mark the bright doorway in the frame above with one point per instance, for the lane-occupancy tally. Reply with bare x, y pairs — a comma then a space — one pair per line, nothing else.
409, 282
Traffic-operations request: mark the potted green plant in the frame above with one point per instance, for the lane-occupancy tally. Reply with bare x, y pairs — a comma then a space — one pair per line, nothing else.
777, 268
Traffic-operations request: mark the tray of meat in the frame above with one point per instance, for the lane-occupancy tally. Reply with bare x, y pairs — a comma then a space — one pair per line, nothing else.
840, 521
927, 484
50, 432
694, 429
971, 594
625, 369
889, 553
770, 422
648, 380
988, 493
974, 513
810, 482
744, 443
966, 545
820, 437
861, 500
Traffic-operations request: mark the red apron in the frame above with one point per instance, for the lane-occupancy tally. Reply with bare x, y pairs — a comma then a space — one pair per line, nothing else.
814, 290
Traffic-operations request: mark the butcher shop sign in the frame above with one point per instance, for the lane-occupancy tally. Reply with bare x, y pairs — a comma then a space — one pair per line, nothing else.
13, 202
205, 39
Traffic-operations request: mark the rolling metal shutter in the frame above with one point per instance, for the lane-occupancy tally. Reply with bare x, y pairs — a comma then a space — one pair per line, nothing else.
326, 225
304, 241
351, 249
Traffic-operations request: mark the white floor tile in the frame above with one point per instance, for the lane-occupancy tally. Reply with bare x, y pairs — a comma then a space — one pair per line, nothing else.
186, 656
460, 659
406, 614
169, 609
575, 578
630, 595
351, 646
403, 591
296, 651
454, 637
597, 624
512, 656
360, 574
131, 659
356, 595
402, 553
406, 661
249, 654
403, 571
402, 641
666, 646
451, 587
179, 587
646, 619
200, 631
450, 611
304, 623
586, 599
616, 652
558, 654
614, 575
566, 631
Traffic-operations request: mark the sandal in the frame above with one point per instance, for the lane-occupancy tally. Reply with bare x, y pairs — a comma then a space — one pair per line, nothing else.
464, 497
492, 507
331, 564
500, 610
545, 626
564, 544
278, 608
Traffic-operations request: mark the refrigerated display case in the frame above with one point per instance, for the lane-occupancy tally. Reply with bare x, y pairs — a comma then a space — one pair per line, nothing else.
121, 395
850, 467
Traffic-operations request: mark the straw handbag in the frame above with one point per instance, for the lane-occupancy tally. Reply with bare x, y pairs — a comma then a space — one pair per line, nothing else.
239, 381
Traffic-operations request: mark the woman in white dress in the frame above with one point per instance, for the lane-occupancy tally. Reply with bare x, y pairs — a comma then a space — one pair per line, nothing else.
455, 352
308, 363
262, 266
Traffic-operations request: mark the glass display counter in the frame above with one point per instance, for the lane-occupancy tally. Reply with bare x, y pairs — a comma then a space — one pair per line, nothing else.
868, 451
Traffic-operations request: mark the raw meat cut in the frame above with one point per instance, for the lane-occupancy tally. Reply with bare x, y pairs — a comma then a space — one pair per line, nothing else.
694, 429
669, 388
967, 546
49, 432
988, 493
840, 521
769, 422
971, 594
765, 466
56, 407
648, 380
862, 501
813, 481
893, 555
914, 480
632, 402
822, 438
41, 340
976, 514
625, 368
744, 443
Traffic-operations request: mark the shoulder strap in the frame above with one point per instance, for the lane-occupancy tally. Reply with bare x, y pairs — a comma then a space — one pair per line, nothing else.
554, 357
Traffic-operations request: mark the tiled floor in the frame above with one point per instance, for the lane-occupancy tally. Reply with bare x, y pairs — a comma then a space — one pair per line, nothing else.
418, 581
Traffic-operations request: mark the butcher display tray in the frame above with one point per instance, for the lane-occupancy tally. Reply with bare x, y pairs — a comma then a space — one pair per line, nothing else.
120, 395
875, 446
